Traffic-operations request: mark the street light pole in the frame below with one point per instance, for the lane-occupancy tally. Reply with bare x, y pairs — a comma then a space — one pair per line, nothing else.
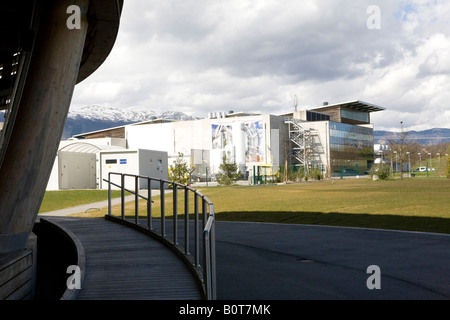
409, 162
396, 169
420, 159
431, 163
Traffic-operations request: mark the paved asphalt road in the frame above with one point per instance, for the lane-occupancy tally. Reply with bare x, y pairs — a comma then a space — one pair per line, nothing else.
294, 262
257, 261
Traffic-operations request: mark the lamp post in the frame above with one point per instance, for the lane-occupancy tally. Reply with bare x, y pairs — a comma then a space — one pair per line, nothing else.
431, 163
409, 162
396, 169
420, 159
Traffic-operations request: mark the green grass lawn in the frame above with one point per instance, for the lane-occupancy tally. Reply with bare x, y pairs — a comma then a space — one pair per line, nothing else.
55, 200
408, 197
417, 204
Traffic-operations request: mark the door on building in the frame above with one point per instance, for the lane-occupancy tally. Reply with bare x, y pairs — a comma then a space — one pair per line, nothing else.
77, 170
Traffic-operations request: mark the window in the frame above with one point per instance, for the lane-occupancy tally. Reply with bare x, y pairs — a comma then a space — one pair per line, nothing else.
350, 145
355, 115
316, 116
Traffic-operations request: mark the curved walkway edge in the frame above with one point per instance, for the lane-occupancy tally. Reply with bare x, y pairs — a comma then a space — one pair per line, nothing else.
124, 264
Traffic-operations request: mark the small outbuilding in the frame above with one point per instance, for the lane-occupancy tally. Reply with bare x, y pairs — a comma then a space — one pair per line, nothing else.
84, 165
146, 163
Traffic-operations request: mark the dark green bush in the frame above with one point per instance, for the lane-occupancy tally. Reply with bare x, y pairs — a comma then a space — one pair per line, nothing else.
380, 170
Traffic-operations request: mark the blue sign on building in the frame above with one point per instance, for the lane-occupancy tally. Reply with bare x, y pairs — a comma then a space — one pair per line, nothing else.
123, 161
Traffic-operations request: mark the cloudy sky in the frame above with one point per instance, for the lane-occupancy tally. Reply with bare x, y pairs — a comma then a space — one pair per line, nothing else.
256, 55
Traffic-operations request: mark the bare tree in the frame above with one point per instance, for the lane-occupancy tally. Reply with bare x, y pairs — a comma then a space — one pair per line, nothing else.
399, 149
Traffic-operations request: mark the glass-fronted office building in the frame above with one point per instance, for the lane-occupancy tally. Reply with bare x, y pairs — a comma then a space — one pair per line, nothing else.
350, 136
351, 148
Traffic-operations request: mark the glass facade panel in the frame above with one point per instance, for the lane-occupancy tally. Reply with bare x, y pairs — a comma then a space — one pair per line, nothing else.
355, 115
351, 148
316, 116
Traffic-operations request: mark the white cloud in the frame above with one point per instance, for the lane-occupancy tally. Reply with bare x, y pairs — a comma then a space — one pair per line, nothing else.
247, 55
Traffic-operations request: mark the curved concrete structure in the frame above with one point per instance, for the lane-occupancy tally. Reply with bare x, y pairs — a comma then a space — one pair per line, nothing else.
44, 61
103, 26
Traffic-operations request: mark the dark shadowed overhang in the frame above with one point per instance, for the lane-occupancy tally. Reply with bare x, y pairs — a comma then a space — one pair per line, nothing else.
104, 20
356, 105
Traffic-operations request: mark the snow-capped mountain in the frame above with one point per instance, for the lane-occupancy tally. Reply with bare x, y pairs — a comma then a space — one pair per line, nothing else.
131, 114
92, 118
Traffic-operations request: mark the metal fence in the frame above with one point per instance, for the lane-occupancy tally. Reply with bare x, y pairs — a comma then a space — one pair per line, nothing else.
196, 245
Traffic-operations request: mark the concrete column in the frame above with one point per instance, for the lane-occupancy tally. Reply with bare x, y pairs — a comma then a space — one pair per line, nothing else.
40, 120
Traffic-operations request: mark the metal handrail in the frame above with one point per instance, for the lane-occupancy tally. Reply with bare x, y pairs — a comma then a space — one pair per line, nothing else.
206, 273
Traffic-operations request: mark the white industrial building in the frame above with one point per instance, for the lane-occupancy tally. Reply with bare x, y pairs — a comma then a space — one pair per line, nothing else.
332, 137
246, 140
83, 164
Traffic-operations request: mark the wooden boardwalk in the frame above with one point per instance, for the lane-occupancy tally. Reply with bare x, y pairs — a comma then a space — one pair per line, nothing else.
124, 264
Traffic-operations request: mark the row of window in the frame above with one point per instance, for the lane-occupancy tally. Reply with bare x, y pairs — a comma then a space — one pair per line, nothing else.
348, 131
355, 115
315, 116
350, 145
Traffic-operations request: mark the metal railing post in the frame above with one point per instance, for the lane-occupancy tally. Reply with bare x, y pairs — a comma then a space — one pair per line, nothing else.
204, 211
205, 263
175, 214
207, 275
186, 220
163, 214
122, 195
213, 261
149, 204
136, 200
213, 252
196, 238
109, 193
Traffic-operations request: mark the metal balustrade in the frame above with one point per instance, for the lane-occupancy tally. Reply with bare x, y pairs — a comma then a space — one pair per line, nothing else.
197, 246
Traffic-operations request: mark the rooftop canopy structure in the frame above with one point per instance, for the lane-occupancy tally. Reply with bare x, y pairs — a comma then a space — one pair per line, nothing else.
351, 112
356, 105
